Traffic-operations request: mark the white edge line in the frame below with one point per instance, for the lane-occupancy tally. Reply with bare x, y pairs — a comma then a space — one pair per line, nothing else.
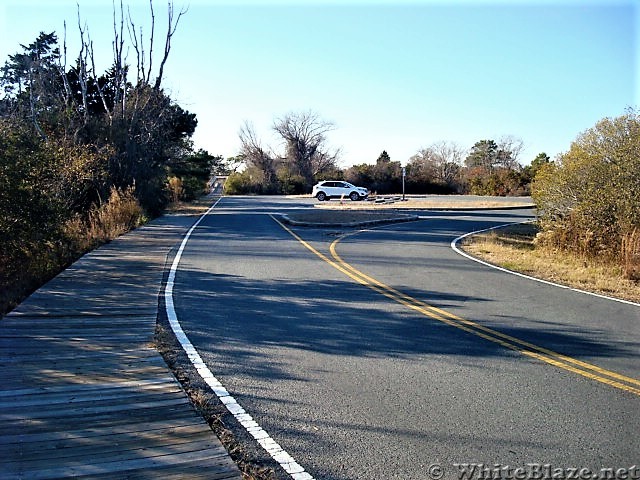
276, 452
454, 246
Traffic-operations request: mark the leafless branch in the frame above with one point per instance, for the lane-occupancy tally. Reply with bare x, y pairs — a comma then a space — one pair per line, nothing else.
62, 68
153, 28
171, 30
82, 73
119, 64
138, 46
98, 86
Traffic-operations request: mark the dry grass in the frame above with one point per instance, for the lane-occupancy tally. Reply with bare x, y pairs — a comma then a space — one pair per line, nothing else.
630, 250
196, 207
513, 248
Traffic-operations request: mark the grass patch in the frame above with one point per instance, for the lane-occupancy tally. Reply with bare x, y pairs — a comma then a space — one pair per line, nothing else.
514, 248
194, 208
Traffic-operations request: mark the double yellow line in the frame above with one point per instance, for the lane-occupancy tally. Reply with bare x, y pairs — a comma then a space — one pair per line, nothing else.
570, 364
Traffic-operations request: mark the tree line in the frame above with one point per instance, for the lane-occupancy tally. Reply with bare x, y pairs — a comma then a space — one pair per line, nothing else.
489, 168
86, 155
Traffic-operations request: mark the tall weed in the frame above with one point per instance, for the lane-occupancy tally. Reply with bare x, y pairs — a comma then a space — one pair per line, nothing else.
630, 249
121, 213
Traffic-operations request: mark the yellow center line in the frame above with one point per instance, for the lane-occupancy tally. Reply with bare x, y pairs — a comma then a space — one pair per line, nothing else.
530, 350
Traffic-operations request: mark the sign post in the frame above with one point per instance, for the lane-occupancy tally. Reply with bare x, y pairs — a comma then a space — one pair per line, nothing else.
404, 174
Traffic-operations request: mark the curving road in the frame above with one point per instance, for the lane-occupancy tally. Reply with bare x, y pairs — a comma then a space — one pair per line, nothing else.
392, 353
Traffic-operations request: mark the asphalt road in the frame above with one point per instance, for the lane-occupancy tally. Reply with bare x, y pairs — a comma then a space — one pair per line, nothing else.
359, 382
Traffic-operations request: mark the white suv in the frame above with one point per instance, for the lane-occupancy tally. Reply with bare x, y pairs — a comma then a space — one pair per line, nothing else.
337, 189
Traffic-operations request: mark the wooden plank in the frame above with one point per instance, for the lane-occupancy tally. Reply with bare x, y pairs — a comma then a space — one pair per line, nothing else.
13, 415
86, 379
143, 383
186, 471
32, 361
129, 370
110, 448
107, 437
102, 445
28, 357
215, 469
77, 335
52, 347
149, 459
63, 324
66, 317
71, 399
38, 312
110, 341
188, 422
78, 378
35, 310
108, 419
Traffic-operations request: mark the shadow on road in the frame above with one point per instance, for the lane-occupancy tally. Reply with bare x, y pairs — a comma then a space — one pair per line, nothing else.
238, 318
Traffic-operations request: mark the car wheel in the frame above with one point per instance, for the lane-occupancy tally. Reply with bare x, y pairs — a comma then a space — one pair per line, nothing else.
321, 196
354, 196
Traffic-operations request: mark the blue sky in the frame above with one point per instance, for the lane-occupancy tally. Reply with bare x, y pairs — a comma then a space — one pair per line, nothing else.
395, 76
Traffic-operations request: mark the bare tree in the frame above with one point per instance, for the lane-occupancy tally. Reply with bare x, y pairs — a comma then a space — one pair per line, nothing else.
448, 157
422, 165
253, 153
305, 139
440, 162
509, 149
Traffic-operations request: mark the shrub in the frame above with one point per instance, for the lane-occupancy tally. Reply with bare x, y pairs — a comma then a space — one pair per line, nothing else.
238, 184
193, 187
250, 182
176, 191
291, 183
588, 200
121, 213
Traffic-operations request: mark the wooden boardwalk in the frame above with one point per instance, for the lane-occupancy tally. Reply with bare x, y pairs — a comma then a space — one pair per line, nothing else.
83, 392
